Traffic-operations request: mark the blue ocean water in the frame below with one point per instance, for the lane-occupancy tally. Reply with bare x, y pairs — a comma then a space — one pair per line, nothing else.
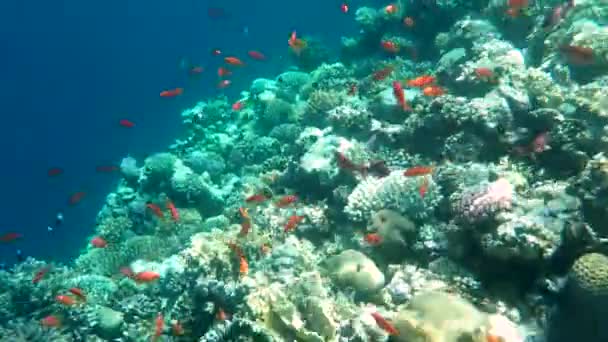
72, 69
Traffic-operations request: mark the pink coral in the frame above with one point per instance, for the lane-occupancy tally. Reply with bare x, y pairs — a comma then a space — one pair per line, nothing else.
481, 204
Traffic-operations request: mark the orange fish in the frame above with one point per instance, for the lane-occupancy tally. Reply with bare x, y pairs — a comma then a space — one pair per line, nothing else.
256, 55
156, 210
76, 197
515, 7
223, 84
385, 325
54, 171
177, 329
408, 22
256, 198
389, 46
418, 171
433, 91
40, 274
243, 266
126, 123
296, 44
172, 92
99, 242
424, 186
78, 293
65, 300
233, 61
173, 210
398, 92
286, 200
159, 324
246, 221
51, 321
578, 55
382, 73
390, 9
10, 237
421, 81
221, 72
293, 222
373, 239
146, 276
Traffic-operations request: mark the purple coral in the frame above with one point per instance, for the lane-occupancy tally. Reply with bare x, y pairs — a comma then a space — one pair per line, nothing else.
481, 204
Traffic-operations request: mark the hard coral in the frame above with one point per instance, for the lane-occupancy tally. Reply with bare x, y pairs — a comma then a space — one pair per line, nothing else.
478, 205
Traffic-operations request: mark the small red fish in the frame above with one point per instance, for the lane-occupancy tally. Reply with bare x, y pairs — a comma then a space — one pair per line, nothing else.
256, 55
408, 22
50, 321
65, 300
296, 44
196, 70
389, 46
126, 123
216, 52
177, 329
156, 210
390, 9
256, 198
286, 200
76, 197
223, 84
98, 242
293, 222
78, 293
515, 7
221, 315
222, 72
347, 164
433, 91
398, 93
173, 210
382, 73
578, 55
421, 81
352, 91
146, 276
40, 274
418, 171
54, 171
373, 239
344, 7
172, 92
106, 168
245, 224
127, 272
10, 237
424, 186
485, 74
384, 324
233, 61
238, 105
159, 324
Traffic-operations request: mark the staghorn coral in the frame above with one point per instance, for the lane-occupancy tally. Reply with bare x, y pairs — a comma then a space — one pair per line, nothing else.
395, 192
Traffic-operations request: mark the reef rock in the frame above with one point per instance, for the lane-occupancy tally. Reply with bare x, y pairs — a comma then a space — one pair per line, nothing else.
354, 269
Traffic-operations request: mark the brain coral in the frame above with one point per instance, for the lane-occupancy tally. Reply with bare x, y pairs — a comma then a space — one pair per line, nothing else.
581, 315
396, 192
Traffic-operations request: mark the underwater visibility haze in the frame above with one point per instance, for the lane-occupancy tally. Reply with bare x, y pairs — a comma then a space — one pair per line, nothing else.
415, 170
